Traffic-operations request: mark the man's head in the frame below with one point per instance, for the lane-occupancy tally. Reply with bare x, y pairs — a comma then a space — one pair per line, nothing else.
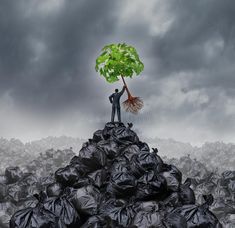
116, 90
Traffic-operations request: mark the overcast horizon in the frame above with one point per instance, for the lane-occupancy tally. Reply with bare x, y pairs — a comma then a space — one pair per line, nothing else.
49, 86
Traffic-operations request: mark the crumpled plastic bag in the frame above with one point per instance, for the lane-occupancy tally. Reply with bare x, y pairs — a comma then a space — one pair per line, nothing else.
186, 194
91, 156
37, 217
67, 176
64, 209
173, 177
13, 174
119, 212
199, 216
151, 186
148, 216
110, 148
54, 189
122, 183
85, 200
144, 162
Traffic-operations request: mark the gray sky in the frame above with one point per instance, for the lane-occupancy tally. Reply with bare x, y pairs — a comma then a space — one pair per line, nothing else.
48, 84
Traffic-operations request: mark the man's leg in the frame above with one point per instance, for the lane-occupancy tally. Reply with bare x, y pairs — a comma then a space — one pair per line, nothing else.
113, 113
119, 114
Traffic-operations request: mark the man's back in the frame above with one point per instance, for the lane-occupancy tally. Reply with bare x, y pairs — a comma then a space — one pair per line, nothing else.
115, 97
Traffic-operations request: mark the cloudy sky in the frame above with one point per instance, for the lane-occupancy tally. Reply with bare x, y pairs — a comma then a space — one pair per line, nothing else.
48, 84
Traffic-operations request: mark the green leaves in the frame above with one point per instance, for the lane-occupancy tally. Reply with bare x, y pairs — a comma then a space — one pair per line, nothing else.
118, 59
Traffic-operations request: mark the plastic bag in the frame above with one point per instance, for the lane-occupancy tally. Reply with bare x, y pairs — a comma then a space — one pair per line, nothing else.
143, 162
174, 220
63, 208
199, 216
86, 200
54, 189
98, 178
97, 136
91, 156
186, 193
67, 176
119, 212
37, 217
151, 186
122, 182
13, 174
110, 148
173, 177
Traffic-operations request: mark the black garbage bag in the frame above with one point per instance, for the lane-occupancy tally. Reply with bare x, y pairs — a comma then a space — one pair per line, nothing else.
119, 212
199, 216
109, 129
143, 146
122, 182
99, 222
82, 169
17, 192
98, 136
37, 217
221, 208
45, 181
186, 193
54, 189
124, 135
158, 158
129, 151
13, 174
98, 178
151, 186
3, 179
110, 148
148, 216
92, 156
64, 209
173, 177
30, 201
67, 176
29, 179
86, 200
144, 162
175, 220
170, 202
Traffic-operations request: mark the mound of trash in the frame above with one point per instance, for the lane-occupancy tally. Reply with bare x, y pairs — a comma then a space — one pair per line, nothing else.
115, 181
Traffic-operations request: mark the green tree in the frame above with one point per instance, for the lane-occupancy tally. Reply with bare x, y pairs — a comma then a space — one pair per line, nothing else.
121, 60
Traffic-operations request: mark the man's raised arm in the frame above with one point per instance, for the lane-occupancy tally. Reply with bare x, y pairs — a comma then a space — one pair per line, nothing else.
122, 91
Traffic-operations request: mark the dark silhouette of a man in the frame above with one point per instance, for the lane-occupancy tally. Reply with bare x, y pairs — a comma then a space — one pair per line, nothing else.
115, 101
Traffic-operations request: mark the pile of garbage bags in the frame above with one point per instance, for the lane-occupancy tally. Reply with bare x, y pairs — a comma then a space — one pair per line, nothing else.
204, 181
49, 162
114, 181
13, 152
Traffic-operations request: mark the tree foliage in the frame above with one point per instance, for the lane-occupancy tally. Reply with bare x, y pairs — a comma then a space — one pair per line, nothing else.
118, 60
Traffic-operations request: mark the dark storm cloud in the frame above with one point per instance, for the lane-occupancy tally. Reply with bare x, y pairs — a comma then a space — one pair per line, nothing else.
201, 38
45, 57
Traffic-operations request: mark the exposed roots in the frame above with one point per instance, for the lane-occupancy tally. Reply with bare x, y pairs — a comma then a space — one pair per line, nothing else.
133, 104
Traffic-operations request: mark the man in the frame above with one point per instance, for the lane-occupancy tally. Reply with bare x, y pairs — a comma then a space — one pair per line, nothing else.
115, 101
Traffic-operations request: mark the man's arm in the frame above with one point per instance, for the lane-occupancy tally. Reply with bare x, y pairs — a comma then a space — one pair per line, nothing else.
111, 99
122, 91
